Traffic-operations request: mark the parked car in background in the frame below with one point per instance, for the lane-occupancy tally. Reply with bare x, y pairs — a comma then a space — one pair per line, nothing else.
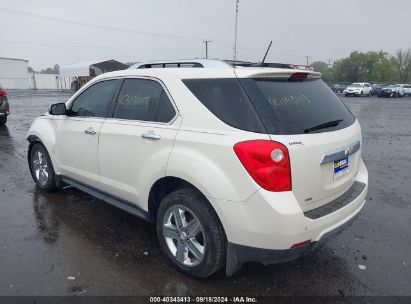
197, 151
394, 90
358, 89
407, 89
338, 88
376, 88
4, 107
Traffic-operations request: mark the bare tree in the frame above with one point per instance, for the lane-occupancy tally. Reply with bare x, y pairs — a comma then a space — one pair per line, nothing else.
402, 62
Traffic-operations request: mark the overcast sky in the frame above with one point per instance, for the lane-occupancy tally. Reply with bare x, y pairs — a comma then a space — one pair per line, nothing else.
48, 31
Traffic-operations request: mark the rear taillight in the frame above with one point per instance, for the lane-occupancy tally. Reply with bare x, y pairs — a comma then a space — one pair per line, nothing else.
267, 162
298, 76
3, 92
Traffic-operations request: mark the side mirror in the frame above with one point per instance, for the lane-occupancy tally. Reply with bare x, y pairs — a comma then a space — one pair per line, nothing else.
58, 109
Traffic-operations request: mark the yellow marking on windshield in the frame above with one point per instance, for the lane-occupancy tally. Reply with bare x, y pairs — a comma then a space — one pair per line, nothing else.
296, 100
133, 100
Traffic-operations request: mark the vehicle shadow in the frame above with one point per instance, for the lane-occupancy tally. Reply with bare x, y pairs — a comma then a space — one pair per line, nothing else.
117, 240
6, 141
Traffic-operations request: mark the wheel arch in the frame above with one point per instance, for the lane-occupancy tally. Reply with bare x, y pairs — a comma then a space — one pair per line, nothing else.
161, 188
165, 185
42, 131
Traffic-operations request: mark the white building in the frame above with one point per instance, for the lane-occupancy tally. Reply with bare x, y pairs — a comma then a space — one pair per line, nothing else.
48, 82
14, 73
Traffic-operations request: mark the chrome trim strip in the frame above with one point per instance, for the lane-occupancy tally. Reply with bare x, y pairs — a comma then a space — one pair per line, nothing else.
341, 153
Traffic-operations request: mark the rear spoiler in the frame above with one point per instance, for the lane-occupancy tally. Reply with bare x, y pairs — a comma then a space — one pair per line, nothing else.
293, 75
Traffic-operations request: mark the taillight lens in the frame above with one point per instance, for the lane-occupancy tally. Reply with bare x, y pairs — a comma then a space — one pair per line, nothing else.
3, 92
267, 162
298, 76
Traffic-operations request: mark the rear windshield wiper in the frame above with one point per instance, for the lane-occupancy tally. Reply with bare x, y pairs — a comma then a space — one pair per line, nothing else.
328, 124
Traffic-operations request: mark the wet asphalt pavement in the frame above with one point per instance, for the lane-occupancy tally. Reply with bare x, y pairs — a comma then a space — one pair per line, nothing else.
47, 238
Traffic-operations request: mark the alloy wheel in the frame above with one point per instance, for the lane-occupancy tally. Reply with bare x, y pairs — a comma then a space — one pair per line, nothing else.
40, 167
184, 235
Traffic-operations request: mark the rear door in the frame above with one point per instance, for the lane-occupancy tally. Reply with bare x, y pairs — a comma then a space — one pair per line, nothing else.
322, 136
136, 141
78, 132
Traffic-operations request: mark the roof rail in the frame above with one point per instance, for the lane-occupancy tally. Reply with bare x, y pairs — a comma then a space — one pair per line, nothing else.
185, 63
207, 63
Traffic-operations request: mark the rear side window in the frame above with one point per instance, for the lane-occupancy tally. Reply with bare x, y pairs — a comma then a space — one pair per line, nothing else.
226, 99
293, 107
143, 99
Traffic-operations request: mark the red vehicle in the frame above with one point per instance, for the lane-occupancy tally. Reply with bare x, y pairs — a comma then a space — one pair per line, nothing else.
4, 107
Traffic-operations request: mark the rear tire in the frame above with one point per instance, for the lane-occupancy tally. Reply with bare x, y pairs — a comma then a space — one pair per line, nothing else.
41, 168
178, 213
3, 120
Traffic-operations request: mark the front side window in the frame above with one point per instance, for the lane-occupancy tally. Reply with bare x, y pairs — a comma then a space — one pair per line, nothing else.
94, 101
143, 99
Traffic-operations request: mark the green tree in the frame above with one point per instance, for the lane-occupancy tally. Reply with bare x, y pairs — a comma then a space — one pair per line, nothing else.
323, 68
365, 67
320, 66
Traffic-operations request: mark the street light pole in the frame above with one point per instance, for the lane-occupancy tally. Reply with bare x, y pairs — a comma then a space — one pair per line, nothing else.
206, 47
235, 31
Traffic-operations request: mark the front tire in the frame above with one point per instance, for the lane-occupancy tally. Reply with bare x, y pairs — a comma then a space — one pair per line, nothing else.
190, 233
41, 168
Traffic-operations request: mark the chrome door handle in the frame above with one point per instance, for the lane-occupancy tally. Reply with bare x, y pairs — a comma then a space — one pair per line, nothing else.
151, 135
90, 131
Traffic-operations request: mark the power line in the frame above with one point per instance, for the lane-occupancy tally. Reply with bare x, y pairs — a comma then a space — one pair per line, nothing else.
131, 31
86, 24
91, 46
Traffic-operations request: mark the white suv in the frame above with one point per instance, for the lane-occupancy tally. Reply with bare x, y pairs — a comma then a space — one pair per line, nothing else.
232, 164
358, 89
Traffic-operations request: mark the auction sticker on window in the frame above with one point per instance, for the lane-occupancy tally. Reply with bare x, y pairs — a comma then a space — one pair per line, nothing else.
340, 167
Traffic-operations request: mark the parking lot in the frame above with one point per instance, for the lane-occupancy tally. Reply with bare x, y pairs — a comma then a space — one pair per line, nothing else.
68, 243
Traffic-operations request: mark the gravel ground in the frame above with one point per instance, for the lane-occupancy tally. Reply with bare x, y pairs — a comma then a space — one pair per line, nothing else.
68, 243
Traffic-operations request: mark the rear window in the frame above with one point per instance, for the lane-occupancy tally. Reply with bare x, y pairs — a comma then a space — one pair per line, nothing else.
227, 100
293, 107
271, 105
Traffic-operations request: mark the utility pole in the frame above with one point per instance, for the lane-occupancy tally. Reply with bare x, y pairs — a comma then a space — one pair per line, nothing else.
307, 58
206, 47
235, 30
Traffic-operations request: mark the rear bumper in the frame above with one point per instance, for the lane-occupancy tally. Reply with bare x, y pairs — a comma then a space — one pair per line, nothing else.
267, 226
237, 255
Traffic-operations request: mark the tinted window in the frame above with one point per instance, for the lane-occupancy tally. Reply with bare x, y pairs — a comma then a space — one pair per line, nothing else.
94, 101
142, 99
226, 99
292, 107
